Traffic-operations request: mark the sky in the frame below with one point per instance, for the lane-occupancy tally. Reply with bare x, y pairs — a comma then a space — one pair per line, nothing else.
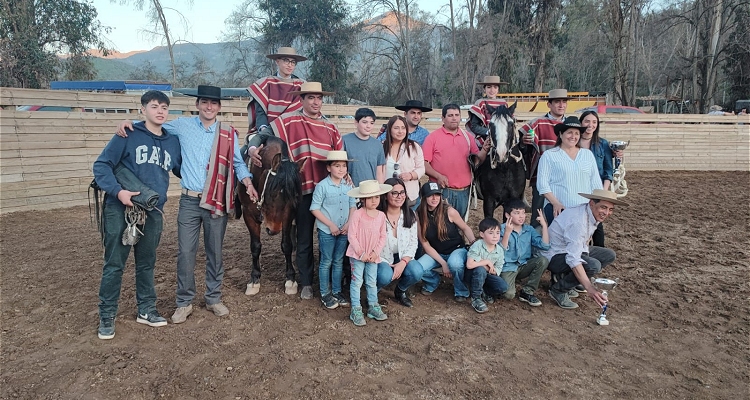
202, 19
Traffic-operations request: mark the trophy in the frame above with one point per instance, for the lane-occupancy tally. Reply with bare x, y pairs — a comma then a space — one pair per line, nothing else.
618, 145
603, 284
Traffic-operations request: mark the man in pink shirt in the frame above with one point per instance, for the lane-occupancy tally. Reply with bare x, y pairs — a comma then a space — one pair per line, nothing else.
446, 155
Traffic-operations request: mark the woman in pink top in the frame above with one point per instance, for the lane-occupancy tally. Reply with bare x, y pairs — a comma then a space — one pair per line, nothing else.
403, 158
367, 238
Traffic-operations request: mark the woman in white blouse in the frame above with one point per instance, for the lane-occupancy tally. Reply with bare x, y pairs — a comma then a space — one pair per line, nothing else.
401, 243
566, 170
404, 158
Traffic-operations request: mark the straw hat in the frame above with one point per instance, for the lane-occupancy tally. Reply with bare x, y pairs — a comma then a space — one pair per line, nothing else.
311, 87
337, 155
288, 52
369, 188
556, 94
716, 107
606, 195
492, 80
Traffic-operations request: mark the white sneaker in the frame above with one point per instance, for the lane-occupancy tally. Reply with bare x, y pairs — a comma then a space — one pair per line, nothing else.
181, 314
218, 309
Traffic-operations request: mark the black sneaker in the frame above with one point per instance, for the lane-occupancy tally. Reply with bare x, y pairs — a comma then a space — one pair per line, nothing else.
329, 301
341, 299
580, 289
460, 299
106, 328
151, 319
529, 298
402, 298
479, 305
487, 298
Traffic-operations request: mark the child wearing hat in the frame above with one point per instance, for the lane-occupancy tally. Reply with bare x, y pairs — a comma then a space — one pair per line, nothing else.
367, 236
332, 208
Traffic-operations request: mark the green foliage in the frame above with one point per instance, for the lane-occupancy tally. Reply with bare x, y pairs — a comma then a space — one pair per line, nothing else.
34, 32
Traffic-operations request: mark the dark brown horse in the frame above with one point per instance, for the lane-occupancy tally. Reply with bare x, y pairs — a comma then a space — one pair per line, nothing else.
279, 187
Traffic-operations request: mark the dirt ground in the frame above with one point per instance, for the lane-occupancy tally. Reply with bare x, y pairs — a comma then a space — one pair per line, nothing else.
679, 320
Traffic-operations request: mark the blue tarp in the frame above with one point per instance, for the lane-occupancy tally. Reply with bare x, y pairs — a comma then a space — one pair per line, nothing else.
110, 86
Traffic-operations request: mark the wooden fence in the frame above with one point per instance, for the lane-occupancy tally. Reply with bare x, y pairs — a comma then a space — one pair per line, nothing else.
46, 157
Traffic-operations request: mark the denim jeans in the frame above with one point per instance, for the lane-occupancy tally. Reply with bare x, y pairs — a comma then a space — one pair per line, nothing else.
367, 272
416, 204
332, 251
593, 262
411, 275
533, 269
456, 265
116, 256
190, 217
458, 199
483, 281
549, 213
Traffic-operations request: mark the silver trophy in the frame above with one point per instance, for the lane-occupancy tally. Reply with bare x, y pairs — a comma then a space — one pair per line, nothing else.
618, 145
604, 285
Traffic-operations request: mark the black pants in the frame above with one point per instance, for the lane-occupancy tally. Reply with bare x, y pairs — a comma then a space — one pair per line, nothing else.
305, 228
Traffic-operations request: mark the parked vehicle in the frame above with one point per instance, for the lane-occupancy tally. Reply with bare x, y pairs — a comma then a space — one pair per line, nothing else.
611, 110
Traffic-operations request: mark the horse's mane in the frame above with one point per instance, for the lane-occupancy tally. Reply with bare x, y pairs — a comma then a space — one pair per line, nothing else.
287, 182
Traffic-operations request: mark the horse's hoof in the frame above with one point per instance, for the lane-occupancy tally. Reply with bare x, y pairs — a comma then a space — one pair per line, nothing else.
252, 289
290, 287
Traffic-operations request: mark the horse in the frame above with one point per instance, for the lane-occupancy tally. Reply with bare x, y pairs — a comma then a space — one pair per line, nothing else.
280, 188
502, 175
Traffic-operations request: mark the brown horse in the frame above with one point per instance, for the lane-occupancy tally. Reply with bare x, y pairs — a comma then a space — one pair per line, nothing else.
280, 187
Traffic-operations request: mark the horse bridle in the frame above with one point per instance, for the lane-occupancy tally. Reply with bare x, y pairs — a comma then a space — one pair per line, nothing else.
269, 173
494, 159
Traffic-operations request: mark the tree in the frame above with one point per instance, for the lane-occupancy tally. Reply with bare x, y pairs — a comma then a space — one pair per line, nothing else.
160, 27
34, 32
737, 67
323, 29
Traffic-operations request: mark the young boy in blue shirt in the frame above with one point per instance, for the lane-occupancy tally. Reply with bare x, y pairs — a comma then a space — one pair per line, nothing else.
484, 262
149, 152
332, 208
365, 150
518, 239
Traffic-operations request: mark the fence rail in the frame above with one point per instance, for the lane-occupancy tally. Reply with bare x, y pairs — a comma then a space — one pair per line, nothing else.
46, 157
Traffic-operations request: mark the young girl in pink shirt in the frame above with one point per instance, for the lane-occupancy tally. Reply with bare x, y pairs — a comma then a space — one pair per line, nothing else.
367, 238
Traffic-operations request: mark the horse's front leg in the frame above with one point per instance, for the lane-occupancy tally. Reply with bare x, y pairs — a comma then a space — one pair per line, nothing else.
253, 225
287, 247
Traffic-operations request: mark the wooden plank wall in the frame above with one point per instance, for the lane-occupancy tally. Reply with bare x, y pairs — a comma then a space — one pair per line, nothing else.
46, 157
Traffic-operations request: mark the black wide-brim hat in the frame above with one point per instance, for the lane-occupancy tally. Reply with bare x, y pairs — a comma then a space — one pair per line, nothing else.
413, 104
207, 92
569, 122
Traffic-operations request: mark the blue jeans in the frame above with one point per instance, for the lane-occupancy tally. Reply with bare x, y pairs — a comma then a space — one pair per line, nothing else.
481, 280
414, 207
367, 273
190, 217
116, 256
458, 199
411, 275
332, 251
456, 265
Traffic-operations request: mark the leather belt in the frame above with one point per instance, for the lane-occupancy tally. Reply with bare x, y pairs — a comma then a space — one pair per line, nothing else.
457, 189
191, 193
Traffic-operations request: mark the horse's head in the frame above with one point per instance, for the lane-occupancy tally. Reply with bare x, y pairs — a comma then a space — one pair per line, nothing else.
280, 186
503, 133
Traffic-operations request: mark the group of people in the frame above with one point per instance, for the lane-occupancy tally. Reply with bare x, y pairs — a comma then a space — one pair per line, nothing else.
398, 232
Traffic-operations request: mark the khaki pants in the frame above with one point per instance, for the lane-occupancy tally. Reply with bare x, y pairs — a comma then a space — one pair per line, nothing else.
533, 269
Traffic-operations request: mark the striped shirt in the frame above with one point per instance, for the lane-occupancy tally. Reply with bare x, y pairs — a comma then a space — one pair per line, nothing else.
196, 142
544, 139
310, 139
565, 177
569, 234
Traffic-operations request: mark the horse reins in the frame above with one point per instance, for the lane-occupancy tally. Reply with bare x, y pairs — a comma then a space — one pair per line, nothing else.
265, 185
